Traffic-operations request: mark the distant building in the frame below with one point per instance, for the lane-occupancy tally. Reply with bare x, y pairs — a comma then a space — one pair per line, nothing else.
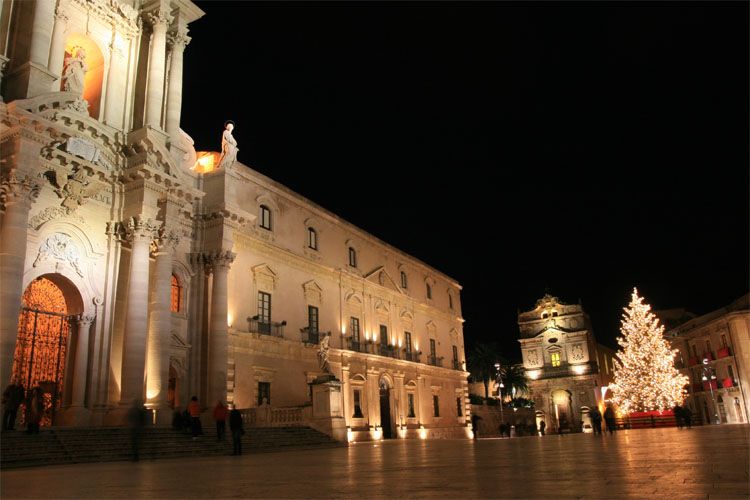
720, 338
568, 370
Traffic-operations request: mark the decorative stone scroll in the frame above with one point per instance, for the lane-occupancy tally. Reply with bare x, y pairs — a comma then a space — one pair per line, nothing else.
15, 188
60, 247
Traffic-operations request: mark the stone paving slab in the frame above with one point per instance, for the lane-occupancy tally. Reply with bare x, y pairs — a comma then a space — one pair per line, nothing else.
704, 462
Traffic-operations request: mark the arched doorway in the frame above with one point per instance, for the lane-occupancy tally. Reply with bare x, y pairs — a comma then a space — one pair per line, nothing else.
385, 409
42, 342
563, 413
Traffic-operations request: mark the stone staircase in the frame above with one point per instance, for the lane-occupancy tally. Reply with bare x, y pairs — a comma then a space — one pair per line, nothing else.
59, 445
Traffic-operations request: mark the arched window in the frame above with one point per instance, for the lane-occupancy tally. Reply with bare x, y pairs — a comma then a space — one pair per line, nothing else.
352, 257
450, 300
265, 217
404, 282
176, 295
312, 238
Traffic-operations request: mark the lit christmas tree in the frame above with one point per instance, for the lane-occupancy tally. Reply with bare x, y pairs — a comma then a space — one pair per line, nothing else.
644, 375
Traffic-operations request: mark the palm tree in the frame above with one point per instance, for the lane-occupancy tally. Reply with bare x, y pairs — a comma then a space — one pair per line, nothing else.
514, 377
481, 361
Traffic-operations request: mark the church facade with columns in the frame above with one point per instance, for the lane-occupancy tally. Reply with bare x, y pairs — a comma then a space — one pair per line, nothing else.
137, 269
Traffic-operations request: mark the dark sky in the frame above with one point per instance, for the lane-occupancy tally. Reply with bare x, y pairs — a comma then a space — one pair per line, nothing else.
584, 148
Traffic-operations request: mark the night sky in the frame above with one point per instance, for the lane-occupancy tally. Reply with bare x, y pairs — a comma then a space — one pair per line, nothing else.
580, 148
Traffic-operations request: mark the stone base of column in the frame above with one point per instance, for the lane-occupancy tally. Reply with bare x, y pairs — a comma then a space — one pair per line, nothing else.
161, 416
74, 416
117, 416
28, 80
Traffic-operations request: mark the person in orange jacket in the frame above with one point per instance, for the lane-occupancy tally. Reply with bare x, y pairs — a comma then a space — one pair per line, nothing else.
220, 415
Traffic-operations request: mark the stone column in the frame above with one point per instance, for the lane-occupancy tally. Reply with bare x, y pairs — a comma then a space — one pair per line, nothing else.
17, 194
109, 94
81, 360
159, 21
160, 326
41, 34
372, 393
220, 263
57, 48
178, 40
139, 232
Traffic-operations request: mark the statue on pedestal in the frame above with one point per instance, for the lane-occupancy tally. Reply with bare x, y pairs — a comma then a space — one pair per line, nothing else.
323, 354
75, 71
228, 146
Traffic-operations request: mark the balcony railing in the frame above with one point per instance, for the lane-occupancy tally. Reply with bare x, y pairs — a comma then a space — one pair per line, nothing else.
266, 328
356, 345
457, 365
412, 356
312, 337
387, 350
435, 361
727, 383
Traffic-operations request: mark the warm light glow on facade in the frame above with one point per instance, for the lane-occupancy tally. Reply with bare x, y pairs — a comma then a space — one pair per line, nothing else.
206, 162
533, 374
579, 369
422, 432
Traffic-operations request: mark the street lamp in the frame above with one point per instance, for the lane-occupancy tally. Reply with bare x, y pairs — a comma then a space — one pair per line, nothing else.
708, 376
500, 391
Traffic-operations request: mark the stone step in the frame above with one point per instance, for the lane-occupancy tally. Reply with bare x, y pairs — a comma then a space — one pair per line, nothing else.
71, 445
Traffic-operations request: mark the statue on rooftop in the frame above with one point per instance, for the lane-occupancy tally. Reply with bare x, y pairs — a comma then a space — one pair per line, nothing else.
228, 146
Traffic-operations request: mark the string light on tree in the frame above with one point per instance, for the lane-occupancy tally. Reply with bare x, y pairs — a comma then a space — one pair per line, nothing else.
645, 378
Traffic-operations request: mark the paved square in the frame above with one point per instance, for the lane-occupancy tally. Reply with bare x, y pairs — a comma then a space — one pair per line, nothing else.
703, 462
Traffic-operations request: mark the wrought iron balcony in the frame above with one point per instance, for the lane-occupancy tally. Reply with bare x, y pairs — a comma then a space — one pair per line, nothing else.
387, 350
356, 346
412, 356
312, 337
457, 365
435, 361
270, 328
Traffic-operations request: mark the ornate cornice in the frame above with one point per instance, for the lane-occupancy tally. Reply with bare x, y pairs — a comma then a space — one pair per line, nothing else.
134, 229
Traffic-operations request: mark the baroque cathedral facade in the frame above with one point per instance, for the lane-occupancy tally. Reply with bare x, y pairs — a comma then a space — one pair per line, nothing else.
136, 268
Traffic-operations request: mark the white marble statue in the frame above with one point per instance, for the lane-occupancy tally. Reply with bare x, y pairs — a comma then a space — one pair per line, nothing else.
75, 71
228, 147
323, 354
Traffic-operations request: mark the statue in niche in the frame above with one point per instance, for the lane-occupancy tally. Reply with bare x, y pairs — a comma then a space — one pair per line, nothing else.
75, 71
228, 147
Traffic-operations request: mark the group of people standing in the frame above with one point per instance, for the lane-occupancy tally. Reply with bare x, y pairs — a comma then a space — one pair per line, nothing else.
609, 418
190, 420
14, 397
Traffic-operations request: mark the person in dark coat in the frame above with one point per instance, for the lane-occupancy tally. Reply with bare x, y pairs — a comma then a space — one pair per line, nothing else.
13, 396
687, 415
677, 410
136, 421
542, 426
34, 410
235, 425
609, 417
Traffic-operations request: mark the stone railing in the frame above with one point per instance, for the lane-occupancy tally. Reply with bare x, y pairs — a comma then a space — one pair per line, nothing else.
268, 416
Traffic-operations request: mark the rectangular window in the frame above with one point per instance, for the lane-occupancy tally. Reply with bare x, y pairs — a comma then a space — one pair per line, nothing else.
357, 404
723, 340
407, 342
410, 400
455, 355
265, 217
312, 238
404, 283
264, 312
264, 393
312, 319
354, 328
383, 334
708, 346
352, 257
433, 352
435, 405
555, 357
429, 291
450, 301
458, 407
177, 295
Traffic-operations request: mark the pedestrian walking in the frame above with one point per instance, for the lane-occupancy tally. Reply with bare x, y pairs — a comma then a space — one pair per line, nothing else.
688, 416
609, 417
13, 396
136, 422
194, 408
235, 426
220, 415
596, 420
475, 424
677, 410
542, 426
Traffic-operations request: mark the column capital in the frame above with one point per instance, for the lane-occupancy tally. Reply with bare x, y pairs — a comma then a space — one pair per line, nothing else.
219, 261
84, 320
158, 19
61, 9
134, 229
178, 39
15, 188
166, 241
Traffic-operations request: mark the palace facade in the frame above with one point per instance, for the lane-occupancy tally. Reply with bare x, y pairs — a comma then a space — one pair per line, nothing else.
568, 370
135, 268
716, 346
